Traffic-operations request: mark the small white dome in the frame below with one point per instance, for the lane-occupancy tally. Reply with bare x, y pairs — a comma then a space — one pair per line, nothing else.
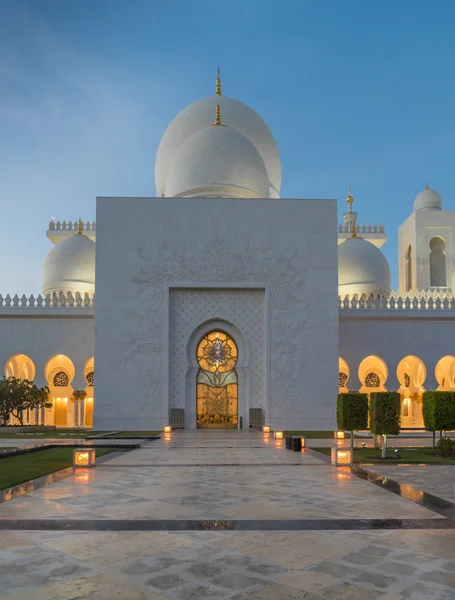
236, 115
70, 267
428, 199
362, 269
217, 162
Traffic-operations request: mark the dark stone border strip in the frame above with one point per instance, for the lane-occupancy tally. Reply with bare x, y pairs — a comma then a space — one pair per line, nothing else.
404, 490
35, 484
222, 525
256, 465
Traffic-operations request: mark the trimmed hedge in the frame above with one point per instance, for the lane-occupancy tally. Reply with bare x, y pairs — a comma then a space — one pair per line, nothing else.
352, 411
438, 410
385, 413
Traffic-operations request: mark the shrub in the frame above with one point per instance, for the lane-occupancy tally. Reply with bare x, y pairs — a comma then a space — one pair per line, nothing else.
445, 448
438, 410
385, 413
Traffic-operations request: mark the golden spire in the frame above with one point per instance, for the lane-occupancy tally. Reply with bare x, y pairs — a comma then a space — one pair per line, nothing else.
354, 230
80, 227
349, 199
218, 83
218, 117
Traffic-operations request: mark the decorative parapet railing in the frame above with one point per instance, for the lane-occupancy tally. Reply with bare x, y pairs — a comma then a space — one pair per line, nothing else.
71, 225
49, 301
430, 301
361, 228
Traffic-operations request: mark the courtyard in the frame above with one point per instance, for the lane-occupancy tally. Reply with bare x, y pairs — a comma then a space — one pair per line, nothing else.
229, 514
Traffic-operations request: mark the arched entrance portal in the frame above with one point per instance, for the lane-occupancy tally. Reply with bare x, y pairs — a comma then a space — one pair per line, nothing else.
217, 382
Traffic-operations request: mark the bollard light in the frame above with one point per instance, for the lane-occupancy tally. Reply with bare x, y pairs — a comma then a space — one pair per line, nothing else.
84, 458
167, 428
341, 457
302, 439
278, 435
266, 429
339, 435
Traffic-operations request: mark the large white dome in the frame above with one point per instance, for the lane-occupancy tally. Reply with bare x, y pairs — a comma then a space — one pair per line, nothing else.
236, 115
428, 199
362, 269
217, 162
70, 267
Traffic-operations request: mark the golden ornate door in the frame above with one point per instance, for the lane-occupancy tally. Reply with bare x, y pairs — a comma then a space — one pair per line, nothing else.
217, 384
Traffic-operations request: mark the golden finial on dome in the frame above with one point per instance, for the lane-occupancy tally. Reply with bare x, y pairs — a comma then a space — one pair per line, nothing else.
354, 230
218, 117
349, 199
218, 83
80, 227
426, 186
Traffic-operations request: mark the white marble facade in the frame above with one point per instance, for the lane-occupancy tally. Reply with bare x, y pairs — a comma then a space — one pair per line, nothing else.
170, 270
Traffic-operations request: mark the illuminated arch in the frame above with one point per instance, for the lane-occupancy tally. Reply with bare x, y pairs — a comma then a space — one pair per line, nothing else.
20, 366
373, 374
343, 375
59, 364
445, 373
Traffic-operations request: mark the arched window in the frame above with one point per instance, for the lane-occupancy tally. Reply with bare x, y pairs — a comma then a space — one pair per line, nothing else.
372, 380
437, 263
61, 379
217, 389
342, 379
90, 378
408, 265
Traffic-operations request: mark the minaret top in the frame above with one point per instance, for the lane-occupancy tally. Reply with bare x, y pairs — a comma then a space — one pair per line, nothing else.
218, 83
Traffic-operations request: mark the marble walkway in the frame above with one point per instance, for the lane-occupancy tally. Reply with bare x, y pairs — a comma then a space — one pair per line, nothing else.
222, 514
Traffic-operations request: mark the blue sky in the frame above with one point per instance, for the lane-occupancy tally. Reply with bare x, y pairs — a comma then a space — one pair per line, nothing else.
356, 92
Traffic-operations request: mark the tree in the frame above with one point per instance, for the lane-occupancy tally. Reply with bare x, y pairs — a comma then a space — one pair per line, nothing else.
438, 410
385, 413
352, 413
17, 395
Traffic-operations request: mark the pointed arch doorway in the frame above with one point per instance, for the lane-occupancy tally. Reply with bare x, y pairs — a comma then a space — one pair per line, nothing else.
217, 382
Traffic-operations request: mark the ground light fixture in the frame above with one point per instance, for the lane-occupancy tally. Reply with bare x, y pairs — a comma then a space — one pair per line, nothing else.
278, 435
339, 435
341, 457
84, 458
266, 429
302, 439
167, 428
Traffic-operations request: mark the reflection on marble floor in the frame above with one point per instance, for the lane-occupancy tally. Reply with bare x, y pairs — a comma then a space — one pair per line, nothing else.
192, 483
438, 480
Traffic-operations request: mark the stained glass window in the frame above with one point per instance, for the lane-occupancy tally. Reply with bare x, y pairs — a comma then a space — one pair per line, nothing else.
61, 379
217, 390
90, 378
372, 380
342, 379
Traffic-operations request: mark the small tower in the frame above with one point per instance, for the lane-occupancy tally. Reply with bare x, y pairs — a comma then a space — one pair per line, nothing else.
350, 217
426, 246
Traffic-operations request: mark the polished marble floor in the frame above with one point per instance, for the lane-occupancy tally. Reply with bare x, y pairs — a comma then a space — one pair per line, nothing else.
222, 479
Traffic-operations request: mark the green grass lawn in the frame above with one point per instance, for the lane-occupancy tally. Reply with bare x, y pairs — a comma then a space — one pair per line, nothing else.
18, 469
408, 455
49, 434
136, 434
313, 435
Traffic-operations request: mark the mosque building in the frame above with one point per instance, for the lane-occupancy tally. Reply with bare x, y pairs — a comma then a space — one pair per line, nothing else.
220, 304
